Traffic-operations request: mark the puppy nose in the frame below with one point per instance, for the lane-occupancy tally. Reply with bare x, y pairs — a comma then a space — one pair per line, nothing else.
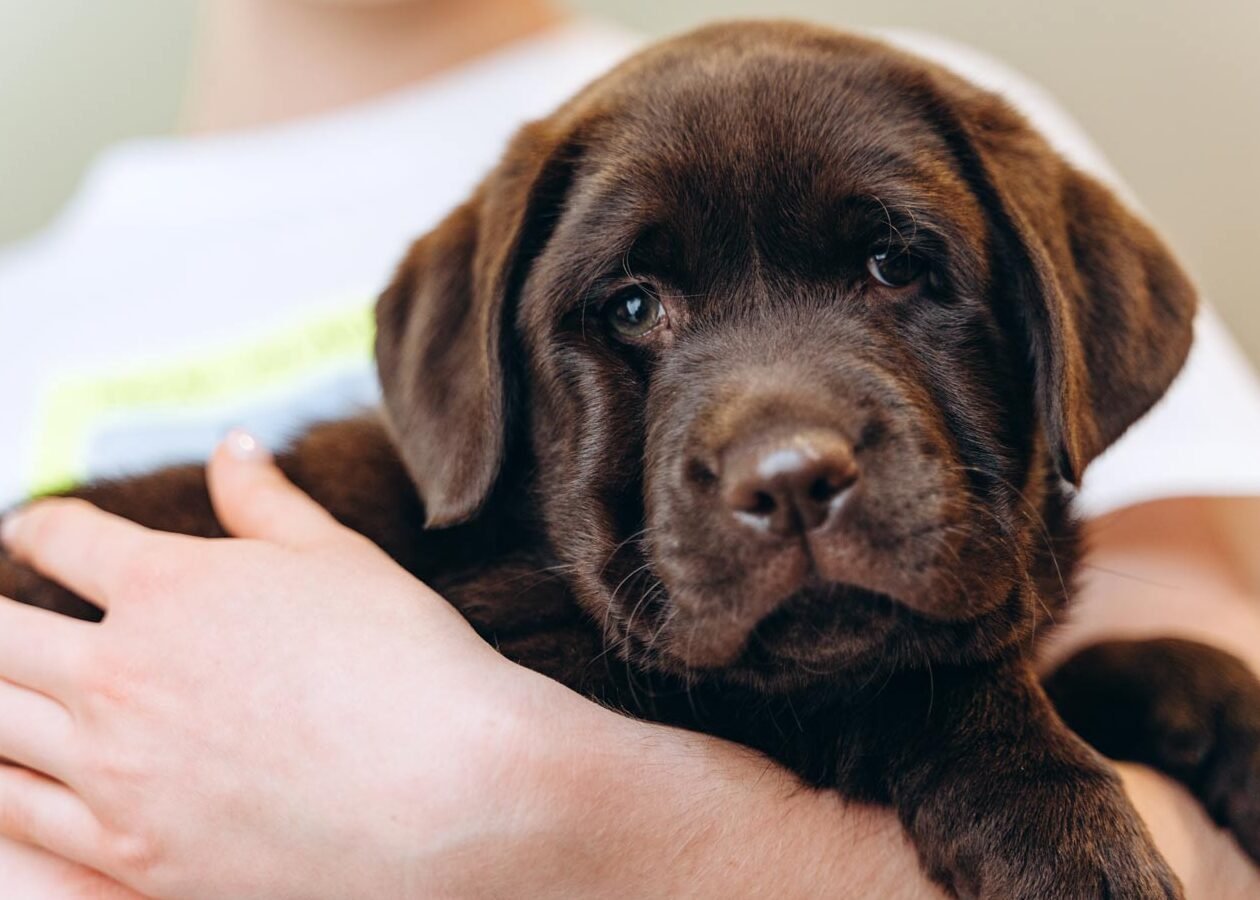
787, 483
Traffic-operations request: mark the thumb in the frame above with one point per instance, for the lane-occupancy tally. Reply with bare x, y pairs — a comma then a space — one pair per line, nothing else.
253, 498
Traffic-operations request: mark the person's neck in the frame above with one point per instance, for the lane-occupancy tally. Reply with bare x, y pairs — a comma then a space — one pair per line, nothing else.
265, 61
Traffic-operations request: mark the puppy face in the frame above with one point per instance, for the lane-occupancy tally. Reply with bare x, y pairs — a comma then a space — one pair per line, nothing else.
789, 338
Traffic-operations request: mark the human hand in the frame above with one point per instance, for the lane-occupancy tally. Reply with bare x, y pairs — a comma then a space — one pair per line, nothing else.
1182, 567
292, 702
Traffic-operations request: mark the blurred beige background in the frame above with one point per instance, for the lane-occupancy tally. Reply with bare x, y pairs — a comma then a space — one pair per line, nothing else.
1170, 90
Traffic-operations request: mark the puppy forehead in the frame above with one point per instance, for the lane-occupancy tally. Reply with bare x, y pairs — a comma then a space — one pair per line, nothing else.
713, 169
768, 115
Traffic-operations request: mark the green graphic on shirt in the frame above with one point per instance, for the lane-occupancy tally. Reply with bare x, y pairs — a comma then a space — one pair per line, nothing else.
72, 406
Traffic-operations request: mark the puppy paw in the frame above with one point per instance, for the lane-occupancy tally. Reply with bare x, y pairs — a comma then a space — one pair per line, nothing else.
1208, 736
1004, 802
1098, 851
1041, 832
1112, 870
1231, 786
1184, 708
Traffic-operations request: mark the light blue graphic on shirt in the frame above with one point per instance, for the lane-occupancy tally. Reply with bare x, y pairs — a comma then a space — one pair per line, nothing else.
148, 441
176, 410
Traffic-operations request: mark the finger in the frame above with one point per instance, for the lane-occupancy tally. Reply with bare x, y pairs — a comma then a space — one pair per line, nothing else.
38, 648
36, 810
253, 498
33, 874
29, 873
73, 543
35, 730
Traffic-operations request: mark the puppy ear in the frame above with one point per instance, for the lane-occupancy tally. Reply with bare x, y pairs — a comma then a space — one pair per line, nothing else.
1108, 313
443, 345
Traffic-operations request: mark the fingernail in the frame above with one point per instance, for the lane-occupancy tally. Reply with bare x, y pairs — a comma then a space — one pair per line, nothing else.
9, 527
244, 446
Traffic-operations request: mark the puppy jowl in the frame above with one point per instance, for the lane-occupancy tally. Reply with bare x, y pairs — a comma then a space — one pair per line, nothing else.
766, 358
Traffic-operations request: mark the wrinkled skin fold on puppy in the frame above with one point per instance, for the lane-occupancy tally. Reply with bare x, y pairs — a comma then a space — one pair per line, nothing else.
742, 394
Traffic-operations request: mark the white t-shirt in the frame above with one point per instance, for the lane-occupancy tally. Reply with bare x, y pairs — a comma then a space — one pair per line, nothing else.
198, 284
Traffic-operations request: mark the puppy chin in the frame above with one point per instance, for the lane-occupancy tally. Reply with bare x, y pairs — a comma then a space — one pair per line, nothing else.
712, 617
707, 633
819, 627
817, 631
712, 634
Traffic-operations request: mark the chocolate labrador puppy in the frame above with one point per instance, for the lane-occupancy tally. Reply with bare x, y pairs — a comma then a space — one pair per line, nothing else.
742, 394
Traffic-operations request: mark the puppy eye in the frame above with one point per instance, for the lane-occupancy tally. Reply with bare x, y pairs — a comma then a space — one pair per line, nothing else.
633, 312
895, 268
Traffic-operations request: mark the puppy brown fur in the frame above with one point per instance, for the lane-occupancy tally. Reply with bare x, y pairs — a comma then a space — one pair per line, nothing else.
741, 395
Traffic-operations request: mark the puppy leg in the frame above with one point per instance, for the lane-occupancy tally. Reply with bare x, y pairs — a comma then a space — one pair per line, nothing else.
1184, 708
1003, 801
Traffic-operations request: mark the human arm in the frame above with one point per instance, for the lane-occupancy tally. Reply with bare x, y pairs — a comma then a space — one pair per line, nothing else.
380, 748
1183, 566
